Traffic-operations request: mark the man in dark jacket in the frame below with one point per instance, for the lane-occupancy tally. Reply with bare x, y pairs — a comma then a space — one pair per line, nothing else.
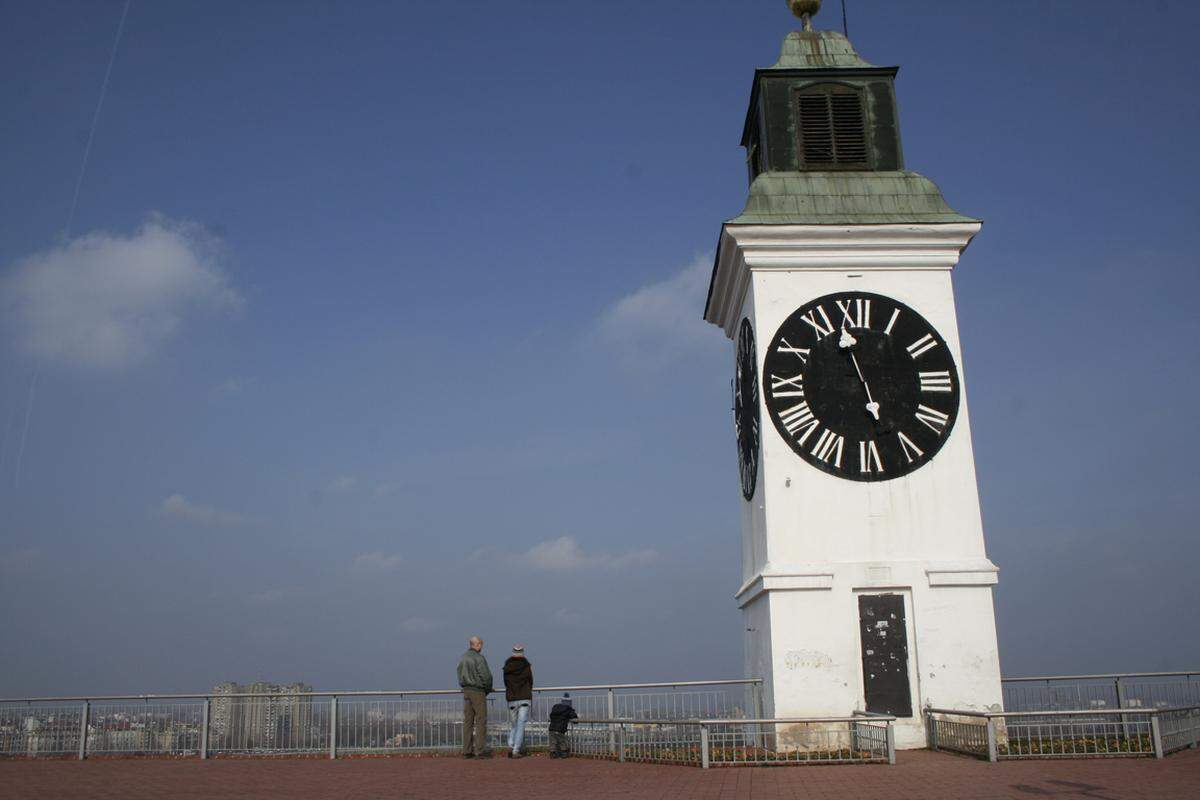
561, 716
475, 678
518, 691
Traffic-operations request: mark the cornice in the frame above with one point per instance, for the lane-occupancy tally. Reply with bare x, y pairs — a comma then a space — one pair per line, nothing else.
745, 249
818, 576
770, 582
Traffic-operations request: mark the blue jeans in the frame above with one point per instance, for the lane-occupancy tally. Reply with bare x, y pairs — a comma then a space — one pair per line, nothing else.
518, 713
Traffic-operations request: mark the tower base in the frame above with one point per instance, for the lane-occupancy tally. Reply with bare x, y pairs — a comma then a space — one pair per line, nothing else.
878, 637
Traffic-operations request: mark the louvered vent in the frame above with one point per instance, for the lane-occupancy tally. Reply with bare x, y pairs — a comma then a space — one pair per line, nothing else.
832, 128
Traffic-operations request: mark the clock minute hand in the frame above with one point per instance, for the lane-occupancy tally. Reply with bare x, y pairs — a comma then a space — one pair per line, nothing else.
872, 406
847, 342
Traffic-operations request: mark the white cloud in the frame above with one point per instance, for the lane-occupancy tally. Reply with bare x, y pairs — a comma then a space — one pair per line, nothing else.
566, 554
104, 300
179, 507
634, 558
662, 320
419, 625
561, 553
377, 562
342, 484
231, 387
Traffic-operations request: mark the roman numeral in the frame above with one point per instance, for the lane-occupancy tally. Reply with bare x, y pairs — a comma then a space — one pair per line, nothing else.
926, 342
799, 418
909, 447
891, 322
829, 446
856, 313
799, 352
868, 458
796, 386
935, 381
822, 330
935, 420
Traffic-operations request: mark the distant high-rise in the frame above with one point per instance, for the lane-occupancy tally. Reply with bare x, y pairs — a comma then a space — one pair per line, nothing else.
279, 719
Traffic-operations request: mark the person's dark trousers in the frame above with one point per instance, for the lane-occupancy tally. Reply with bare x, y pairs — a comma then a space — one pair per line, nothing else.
560, 745
474, 722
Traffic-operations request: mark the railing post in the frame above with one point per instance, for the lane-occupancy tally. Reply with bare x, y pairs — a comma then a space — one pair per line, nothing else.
612, 713
333, 727
83, 729
993, 751
621, 743
1156, 734
891, 742
704, 746
1122, 703
756, 694
204, 728
930, 729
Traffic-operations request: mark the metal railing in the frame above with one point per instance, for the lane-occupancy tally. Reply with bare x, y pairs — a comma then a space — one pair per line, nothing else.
330, 723
1001, 735
1111, 690
1179, 728
1127, 714
746, 742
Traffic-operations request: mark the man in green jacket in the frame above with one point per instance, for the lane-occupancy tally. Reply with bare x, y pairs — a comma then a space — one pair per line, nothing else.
475, 678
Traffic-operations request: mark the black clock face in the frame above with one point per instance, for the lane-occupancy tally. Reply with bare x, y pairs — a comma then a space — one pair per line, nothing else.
745, 408
861, 386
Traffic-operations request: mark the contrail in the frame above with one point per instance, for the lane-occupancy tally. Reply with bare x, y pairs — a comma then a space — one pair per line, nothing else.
25, 430
87, 150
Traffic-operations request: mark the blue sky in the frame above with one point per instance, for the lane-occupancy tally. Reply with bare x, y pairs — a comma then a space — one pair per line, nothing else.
379, 325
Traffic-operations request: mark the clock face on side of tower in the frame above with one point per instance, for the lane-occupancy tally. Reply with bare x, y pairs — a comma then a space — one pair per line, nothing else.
745, 408
861, 386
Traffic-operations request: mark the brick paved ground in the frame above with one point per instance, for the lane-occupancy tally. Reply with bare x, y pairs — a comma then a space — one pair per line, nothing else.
923, 775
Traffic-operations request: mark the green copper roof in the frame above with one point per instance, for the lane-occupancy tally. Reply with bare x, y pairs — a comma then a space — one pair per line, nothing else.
818, 50
845, 198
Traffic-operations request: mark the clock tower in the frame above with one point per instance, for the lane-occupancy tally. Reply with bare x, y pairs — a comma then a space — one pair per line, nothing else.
865, 582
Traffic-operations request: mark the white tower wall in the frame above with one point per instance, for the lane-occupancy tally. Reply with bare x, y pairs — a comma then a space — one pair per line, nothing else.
813, 542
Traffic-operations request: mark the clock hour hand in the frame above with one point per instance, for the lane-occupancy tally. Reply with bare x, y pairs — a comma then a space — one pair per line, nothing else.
847, 342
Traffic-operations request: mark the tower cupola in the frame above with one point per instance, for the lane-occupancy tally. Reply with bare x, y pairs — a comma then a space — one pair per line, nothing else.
822, 108
822, 141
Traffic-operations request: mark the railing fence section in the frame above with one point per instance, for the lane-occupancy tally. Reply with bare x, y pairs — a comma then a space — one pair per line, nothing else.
330, 724
1109, 733
1179, 728
42, 729
1117, 690
729, 743
709, 723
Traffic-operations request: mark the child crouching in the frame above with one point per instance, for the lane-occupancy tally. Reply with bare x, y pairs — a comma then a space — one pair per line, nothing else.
560, 716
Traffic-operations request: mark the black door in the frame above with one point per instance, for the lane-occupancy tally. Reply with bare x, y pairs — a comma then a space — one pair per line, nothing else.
884, 654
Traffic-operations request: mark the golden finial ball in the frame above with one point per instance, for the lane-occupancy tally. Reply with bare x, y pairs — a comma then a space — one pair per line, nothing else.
803, 8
